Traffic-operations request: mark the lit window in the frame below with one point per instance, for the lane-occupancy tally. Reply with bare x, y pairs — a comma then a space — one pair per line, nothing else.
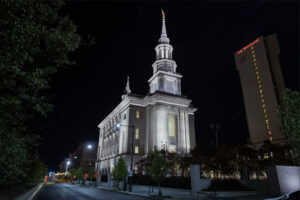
136, 149
137, 132
252, 48
264, 105
265, 111
172, 148
261, 96
260, 91
268, 127
270, 138
256, 68
254, 59
259, 86
136, 168
172, 125
263, 100
267, 121
137, 114
257, 73
269, 132
253, 55
255, 64
266, 116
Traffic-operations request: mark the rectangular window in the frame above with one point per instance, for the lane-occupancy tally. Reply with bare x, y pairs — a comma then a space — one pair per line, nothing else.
136, 168
172, 148
137, 133
136, 149
137, 114
172, 125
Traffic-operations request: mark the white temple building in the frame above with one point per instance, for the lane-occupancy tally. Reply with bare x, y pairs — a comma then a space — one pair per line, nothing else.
163, 118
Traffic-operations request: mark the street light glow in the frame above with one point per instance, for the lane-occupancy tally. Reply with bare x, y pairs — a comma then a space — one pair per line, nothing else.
89, 146
118, 125
68, 162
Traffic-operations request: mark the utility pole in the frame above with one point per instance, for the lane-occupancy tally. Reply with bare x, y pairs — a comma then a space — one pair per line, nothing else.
216, 128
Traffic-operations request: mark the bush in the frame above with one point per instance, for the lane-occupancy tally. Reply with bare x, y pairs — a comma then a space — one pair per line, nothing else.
226, 185
171, 182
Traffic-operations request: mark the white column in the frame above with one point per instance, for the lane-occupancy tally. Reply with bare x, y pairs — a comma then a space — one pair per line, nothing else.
187, 132
182, 139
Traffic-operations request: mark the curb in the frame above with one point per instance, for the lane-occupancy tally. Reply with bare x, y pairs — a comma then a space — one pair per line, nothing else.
29, 195
124, 192
135, 194
130, 193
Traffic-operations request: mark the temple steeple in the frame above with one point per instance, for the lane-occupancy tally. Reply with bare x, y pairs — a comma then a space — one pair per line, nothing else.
163, 37
164, 77
127, 88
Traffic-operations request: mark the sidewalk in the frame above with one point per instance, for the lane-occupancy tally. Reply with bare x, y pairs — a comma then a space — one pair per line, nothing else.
146, 191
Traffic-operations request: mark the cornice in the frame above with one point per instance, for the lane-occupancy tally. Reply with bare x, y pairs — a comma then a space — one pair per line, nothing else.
148, 100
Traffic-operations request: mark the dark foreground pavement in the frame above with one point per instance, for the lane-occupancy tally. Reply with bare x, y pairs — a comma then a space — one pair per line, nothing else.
77, 192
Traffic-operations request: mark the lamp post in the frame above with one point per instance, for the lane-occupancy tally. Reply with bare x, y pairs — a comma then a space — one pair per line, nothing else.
131, 158
216, 128
68, 163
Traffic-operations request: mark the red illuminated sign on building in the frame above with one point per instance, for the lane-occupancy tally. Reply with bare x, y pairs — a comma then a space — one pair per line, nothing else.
248, 46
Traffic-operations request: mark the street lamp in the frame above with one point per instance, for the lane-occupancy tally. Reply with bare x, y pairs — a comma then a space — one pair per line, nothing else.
131, 158
216, 128
68, 163
89, 146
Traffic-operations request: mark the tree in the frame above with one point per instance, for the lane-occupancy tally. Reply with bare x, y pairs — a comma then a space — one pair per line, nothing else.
158, 168
289, 114
91, 175
36, 42
120, 171
37, 171
79, 174
72, 173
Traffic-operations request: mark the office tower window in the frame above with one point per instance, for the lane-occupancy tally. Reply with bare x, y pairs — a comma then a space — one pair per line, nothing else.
137, 132
136, 149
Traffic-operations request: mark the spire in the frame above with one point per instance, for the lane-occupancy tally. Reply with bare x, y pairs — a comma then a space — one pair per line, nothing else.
163, 37
127, 89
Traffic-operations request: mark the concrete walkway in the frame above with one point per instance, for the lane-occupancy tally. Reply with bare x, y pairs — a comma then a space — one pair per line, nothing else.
146, 191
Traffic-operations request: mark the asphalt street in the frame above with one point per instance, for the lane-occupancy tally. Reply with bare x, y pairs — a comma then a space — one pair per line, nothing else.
76, 192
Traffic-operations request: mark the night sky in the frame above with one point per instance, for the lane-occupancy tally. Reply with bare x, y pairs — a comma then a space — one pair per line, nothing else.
204, 37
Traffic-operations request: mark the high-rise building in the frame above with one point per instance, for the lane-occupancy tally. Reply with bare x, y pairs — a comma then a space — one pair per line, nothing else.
163, 118
262, 84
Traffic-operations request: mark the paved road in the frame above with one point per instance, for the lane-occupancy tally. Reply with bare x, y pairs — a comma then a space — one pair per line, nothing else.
76, 192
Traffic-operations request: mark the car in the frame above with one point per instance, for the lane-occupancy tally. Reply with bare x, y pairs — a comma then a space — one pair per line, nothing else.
295, 195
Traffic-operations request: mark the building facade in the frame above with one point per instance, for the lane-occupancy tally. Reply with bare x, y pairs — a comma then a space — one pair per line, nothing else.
262, 84
163, 118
